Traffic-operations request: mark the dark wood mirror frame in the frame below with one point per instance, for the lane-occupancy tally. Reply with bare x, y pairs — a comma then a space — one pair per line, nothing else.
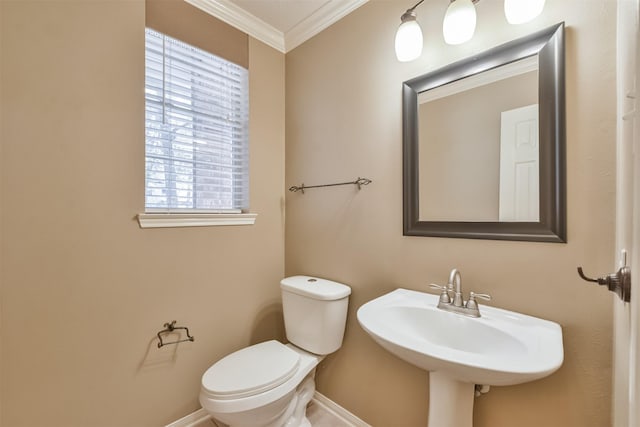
548, 44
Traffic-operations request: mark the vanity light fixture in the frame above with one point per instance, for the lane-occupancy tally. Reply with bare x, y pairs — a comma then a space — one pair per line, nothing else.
459, 24
409, 36
522, 11
459, 21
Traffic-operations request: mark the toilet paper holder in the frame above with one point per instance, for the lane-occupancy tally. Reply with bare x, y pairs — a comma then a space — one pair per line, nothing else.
171, 327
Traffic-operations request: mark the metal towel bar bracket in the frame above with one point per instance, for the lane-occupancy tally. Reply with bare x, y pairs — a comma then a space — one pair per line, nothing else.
170, 327
359, 182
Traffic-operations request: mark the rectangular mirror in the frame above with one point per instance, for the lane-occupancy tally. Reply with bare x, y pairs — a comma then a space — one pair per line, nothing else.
483, 144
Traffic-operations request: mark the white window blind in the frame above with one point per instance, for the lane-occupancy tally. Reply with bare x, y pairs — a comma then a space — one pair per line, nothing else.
196, 121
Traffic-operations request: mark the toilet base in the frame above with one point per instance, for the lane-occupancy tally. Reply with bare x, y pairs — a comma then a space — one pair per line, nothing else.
295, 414
304, 394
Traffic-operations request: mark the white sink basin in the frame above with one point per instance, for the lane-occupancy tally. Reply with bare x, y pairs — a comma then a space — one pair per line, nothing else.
499, 348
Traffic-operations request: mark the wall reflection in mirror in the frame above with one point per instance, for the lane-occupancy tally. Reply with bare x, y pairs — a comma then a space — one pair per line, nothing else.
484, 144
478, 146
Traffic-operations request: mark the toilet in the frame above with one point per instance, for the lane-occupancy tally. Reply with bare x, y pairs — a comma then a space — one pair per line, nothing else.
270, 384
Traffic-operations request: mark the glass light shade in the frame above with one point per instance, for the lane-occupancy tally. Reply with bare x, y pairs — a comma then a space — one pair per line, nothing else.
408, 41
459, 22
522, 11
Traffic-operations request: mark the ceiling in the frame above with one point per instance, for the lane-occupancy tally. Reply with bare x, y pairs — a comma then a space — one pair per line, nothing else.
282, 24
283, 15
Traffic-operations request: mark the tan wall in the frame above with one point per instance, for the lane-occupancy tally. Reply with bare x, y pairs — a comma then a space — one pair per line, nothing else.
84, 289
343, 103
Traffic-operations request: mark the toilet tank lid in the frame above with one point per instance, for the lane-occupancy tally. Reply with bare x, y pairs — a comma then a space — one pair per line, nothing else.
315, 287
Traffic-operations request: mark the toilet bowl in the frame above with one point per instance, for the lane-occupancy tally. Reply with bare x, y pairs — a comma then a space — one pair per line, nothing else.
270, 384
265, 399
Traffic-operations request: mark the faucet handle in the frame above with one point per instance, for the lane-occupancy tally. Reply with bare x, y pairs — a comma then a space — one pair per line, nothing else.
446, 287
444, 295
472, 304
473, 295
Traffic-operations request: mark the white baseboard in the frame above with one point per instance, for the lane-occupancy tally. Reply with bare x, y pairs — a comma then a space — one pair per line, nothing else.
195, 419
200, 417
338, 411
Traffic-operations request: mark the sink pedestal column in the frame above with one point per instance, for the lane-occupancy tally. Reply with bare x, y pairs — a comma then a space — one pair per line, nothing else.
450, 401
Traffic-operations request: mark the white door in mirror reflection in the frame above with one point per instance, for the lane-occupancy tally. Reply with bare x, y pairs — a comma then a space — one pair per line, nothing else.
519, 165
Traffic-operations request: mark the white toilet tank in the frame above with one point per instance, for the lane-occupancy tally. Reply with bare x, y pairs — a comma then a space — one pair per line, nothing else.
315, 312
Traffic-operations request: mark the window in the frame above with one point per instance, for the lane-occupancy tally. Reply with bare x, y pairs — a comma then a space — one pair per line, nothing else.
196, 122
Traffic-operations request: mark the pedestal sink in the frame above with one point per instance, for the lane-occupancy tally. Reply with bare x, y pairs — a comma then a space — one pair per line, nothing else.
500, 348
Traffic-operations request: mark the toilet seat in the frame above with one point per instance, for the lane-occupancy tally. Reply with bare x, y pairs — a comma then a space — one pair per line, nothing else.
250, 371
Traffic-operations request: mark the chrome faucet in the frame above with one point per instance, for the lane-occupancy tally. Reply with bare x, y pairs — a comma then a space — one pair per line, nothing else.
457, 304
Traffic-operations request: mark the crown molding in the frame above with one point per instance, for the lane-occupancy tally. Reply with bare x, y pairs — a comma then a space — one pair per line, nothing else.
239, 18
322, 18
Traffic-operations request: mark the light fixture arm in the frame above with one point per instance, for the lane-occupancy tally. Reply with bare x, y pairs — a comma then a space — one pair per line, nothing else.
416, 5
422, 1
410, 14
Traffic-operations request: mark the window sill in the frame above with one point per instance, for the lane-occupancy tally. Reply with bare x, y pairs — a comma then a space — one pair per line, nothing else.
167, 220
